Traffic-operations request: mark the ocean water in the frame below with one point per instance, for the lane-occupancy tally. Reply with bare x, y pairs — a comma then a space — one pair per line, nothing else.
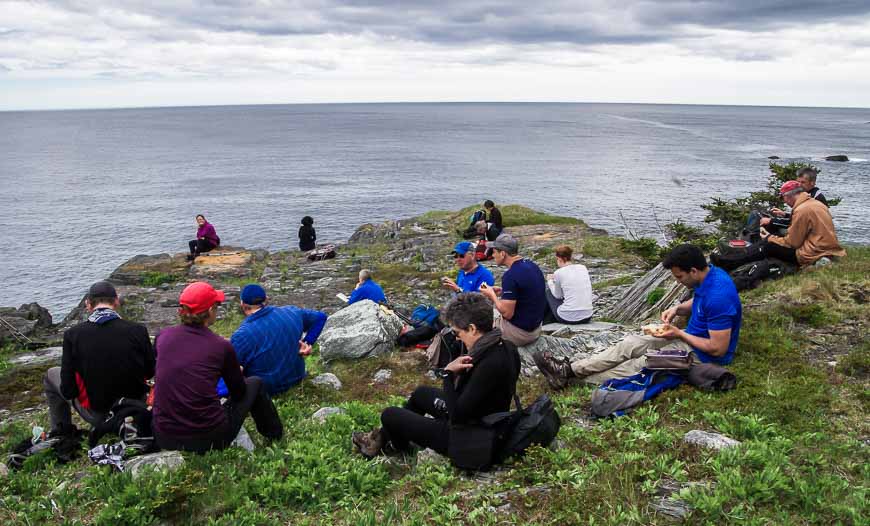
83, 191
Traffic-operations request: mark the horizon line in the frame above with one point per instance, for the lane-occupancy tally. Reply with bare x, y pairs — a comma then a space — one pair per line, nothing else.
348, 103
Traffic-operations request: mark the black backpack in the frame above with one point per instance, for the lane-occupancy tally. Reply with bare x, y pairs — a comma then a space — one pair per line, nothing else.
750, 275
730, 253
499, 436
116, 422
537, 424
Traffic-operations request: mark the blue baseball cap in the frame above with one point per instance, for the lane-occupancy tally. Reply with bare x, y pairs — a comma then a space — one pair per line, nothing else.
253, 294
462, 248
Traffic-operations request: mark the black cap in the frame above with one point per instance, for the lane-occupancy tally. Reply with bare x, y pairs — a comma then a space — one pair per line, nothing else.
102, 289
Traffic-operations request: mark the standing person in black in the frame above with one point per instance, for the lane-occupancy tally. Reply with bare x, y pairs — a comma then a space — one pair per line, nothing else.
476, 384
495, 222
104, 358
307, 235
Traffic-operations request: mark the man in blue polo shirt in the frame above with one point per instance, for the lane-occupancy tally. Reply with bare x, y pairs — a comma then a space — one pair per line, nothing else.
366, 289
272, 341
471, 275
711, 335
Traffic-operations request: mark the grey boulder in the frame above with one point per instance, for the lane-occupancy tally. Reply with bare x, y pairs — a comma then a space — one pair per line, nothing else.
323, 413
162, 461
327, 380
382, 376
358, 331
709, 440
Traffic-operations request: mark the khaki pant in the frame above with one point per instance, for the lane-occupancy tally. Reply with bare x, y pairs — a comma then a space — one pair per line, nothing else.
626, 358
514, 334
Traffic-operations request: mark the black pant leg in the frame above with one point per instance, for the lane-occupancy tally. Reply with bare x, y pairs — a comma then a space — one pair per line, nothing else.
787, 254
258, 403
193, 244
203, 245
427, 400
402, 426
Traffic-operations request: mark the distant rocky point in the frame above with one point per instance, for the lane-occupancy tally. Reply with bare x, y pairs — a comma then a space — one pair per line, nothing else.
837, 158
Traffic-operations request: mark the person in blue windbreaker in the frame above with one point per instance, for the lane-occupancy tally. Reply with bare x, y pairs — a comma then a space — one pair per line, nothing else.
271, 342
366, 289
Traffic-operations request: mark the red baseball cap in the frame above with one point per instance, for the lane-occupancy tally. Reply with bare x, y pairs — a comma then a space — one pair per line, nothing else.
789, 186
199, 296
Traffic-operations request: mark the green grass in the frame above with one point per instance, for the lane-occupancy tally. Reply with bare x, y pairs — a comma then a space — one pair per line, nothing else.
155, 279
803, 458
512, 215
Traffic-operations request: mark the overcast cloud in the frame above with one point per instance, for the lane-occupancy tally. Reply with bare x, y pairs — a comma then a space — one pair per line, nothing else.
69, 54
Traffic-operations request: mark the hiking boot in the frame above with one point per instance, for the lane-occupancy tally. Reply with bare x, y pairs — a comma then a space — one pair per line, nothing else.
369, 444
557, 371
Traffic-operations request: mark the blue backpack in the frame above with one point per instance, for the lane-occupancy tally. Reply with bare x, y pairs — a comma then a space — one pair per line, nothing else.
425, 315
620, 396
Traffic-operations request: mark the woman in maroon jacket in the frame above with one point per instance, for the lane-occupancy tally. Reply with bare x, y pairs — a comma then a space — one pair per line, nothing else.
206, 238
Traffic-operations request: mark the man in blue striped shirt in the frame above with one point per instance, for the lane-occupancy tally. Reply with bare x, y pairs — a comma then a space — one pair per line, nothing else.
272, 341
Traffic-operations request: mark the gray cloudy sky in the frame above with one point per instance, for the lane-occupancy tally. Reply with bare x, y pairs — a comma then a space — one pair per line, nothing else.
78, 53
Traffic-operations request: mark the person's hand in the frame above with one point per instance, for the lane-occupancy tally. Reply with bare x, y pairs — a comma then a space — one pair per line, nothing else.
777, 212
304, 348
764, 233
669, 315
448, 283
765, 221
460, 364
670, 332
488, 291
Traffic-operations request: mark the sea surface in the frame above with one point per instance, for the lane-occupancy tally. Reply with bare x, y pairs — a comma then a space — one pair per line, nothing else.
83, 191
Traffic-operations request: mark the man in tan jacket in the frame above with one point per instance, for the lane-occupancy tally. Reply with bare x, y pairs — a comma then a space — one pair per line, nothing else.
810, 235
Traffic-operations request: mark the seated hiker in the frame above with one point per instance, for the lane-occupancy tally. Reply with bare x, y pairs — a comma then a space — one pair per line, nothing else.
473, 229
481, 251
521, 300
476, 384
366, 289
711, 335
781, 219
266, 342
104, 359
307, 235
206, 238
495, 225
471, 274
569, 291
810, 236
188, 414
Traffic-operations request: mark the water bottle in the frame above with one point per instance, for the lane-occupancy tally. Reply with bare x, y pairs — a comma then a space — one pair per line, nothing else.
128, 430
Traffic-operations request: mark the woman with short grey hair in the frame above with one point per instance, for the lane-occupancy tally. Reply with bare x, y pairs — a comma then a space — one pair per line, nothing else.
480, 382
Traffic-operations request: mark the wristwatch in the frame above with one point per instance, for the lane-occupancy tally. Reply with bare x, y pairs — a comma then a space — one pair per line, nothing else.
442, 373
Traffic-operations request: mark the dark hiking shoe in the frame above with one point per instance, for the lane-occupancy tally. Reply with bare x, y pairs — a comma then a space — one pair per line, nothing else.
369, 444
557, 371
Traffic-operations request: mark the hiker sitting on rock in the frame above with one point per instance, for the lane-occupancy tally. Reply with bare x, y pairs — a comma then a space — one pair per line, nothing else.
715, 316
521, 300
266, 340
473, 230
810, 236
476, 384
471, 274
366, 289
307, 235
188, 414
206, 238
569, 291
104, 358
495, 226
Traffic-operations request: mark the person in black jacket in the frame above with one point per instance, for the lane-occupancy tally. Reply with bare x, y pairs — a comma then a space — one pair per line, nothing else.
496, 226
476, 384
104, 358
307, 235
